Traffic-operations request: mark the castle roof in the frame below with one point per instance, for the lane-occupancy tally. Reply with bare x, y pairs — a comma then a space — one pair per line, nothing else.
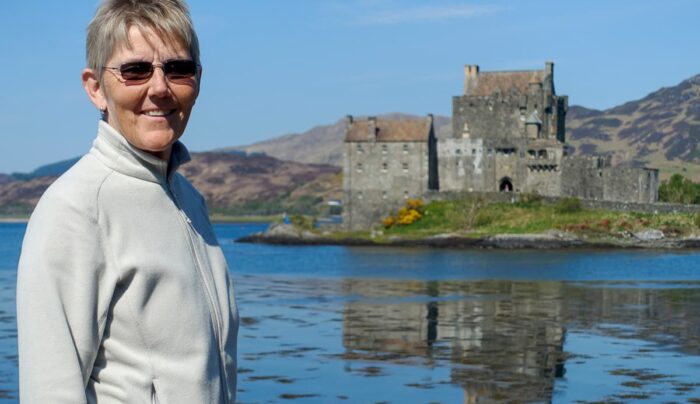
505, 82
389, 130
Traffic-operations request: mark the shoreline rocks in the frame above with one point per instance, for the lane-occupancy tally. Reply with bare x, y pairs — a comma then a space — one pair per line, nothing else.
285, 234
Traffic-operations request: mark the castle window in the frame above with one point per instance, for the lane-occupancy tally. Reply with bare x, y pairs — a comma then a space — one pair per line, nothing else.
385, 167
405, 194
405, 167
405, 149
531, 154
490, 152
473, 152
458, 151
384, 196
358, 167
542, 154
385, 149
360, 149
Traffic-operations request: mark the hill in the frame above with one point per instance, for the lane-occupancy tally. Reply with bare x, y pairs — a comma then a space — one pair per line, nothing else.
231, 183
240, 184
661, 130
48, 170
322, 144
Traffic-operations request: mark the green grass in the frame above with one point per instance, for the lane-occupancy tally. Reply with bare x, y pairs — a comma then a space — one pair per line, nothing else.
473, 217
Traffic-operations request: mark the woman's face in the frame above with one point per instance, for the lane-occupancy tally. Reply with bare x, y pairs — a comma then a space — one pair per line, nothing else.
151, 115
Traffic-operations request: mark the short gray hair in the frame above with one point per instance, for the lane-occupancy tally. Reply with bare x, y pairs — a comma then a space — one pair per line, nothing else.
109, 29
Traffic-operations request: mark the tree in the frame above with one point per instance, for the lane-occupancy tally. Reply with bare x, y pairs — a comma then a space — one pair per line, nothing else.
679, 189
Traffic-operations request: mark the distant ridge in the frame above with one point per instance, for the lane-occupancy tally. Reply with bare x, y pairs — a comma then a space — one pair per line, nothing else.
53, 169
321, 144
660, 130
231, 183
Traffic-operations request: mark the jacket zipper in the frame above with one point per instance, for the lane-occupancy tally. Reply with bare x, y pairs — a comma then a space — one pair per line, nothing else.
207, 285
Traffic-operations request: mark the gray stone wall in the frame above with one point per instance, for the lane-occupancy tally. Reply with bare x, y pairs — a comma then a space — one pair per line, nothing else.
593, 178
461, 164
630, 185
581, 178
500, 197
485, 117
380, 176
504, 116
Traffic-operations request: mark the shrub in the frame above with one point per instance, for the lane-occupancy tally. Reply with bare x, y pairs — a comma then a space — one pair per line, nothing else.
679, 189
415, 204
696, 220
568, 205
410, 213
303, 222
387, 222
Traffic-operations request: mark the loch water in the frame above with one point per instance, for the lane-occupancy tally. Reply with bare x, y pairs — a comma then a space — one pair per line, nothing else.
410, 325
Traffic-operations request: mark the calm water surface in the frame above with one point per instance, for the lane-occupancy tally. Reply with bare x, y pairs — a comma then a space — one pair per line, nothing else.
370, 325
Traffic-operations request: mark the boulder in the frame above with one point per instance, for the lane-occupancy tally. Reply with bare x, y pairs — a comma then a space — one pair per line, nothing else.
649, 235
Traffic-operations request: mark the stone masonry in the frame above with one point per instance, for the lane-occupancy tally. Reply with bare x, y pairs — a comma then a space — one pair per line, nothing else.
508, 135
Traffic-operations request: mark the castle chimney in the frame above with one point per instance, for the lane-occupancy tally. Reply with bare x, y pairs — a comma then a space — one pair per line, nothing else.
549, 77
471, 78
372, 128
349, 120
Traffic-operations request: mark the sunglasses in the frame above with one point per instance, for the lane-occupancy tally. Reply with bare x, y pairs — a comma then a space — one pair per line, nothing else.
141, 72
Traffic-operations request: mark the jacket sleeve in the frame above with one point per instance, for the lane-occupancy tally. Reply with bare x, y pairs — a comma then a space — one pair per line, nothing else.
63, 298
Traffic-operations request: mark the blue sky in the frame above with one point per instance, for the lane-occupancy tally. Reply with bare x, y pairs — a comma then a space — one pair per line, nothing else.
273, 67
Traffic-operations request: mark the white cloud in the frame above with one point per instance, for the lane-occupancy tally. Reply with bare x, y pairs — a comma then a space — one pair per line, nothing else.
427, 14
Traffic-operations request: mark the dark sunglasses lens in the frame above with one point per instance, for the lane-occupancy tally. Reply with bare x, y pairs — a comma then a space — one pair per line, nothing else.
136, 70
180, 69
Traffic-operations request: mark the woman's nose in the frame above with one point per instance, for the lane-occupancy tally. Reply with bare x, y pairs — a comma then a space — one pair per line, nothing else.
158, 85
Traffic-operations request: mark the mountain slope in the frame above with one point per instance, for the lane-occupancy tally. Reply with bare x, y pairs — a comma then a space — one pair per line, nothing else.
234, 182
321, 144
660, 130
231, 183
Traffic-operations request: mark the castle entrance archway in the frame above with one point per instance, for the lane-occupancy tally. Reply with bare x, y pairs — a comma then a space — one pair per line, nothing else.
505, 185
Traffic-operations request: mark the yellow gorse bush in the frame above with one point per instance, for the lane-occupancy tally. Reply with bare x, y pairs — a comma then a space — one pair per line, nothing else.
410, 213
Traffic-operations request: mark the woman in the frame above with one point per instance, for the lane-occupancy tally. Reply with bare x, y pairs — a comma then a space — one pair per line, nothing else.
123, 293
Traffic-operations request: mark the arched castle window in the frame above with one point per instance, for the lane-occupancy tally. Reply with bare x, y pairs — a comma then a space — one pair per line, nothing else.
358, 167
405, 149
405, 167
385, 149
385, 167
360, 149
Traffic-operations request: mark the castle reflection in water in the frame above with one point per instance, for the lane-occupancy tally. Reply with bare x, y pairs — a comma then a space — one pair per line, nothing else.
504, 340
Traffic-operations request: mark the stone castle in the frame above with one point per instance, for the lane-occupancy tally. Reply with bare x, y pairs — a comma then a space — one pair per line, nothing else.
508, 135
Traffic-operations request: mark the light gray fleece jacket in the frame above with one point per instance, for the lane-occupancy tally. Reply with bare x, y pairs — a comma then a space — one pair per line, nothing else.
123, 294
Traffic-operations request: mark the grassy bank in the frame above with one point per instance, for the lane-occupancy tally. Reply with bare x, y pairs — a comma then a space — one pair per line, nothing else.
474, 217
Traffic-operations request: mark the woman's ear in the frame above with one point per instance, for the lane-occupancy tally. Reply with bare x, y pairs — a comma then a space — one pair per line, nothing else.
94, 89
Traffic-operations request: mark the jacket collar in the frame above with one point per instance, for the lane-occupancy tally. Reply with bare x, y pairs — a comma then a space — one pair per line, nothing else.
113, 150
